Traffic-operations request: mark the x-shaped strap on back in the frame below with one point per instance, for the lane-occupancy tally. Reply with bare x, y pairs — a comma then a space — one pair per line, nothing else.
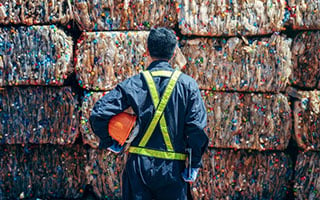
159, 105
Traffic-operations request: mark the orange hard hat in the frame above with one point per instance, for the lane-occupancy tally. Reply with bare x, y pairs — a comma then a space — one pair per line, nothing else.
120, 126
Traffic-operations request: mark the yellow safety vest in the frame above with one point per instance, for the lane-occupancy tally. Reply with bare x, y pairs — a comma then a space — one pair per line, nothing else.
159, 116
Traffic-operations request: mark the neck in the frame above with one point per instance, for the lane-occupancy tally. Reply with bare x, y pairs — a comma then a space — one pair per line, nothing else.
151, 60
156, 59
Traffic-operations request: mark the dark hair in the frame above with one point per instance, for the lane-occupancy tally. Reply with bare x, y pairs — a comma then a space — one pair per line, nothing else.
161, 43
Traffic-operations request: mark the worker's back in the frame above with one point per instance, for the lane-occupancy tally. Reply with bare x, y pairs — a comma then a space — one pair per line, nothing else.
175, 112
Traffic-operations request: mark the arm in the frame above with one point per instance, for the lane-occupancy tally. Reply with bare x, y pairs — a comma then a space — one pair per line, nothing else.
195, 122
109, 105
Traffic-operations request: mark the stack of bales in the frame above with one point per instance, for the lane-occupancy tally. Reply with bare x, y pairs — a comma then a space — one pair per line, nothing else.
39, 115
307, 114
305, 16
234, 49
249, 120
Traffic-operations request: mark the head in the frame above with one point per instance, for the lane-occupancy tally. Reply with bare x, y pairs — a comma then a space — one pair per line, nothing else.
161, 43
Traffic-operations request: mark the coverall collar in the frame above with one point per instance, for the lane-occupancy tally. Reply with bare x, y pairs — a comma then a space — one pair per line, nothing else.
160, 65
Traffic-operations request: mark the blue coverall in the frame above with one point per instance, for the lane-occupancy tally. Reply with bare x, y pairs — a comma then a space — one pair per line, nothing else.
148, 177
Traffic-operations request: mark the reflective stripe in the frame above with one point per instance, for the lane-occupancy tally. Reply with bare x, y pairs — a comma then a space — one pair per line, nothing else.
157, 153
160, 107
161, 73
155, 99
165, 133
152, 88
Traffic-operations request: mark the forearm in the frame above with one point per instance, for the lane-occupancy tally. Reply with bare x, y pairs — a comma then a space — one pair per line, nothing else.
100, 127
198, 142
108, 106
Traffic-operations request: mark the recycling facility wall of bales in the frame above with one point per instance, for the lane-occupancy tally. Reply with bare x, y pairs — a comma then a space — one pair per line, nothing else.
257, 64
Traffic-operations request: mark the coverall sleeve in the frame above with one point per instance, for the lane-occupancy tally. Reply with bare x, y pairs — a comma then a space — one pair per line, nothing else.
196, 121
105, 108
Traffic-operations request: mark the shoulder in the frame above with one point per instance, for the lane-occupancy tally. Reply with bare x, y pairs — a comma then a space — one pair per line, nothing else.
132, 82
188, 82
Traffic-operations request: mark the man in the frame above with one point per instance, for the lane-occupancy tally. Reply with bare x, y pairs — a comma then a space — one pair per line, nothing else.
171, 117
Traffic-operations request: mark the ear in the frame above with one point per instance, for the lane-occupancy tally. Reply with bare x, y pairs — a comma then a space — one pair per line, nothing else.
149, 59
148, 52
175, 51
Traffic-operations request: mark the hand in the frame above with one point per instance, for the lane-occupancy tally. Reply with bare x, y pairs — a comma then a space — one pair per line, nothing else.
192, 176
115, 147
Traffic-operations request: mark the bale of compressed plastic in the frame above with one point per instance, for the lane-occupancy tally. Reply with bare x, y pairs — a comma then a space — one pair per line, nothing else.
229, 174
230, 18
307, 120
304, 14
124, 15
34, 55
29, 12
305, 57
38, 115
248, 121
42, 171
237, 64
104, 172
88, 137
307, 176
103, 59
